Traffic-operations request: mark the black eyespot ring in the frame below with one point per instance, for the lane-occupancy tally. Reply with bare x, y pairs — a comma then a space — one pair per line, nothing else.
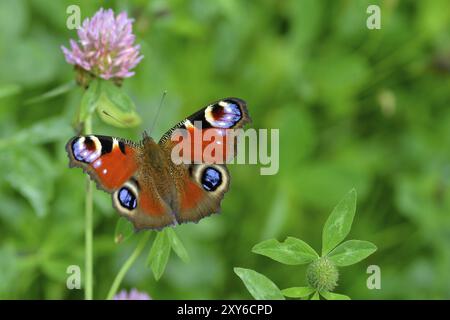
211, 179
127, 199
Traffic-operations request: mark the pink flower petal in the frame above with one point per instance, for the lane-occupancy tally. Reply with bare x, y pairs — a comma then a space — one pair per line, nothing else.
106, 45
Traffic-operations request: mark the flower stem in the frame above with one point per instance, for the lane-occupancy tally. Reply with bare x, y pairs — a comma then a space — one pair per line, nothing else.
127, 265
88, 283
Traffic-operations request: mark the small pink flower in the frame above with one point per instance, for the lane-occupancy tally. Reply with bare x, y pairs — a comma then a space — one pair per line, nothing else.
132, 295
106, 46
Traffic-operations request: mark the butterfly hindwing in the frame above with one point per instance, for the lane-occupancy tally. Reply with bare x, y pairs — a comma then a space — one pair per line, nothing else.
202, 191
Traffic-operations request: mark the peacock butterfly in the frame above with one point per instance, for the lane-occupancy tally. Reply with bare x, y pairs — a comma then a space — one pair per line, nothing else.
146, 185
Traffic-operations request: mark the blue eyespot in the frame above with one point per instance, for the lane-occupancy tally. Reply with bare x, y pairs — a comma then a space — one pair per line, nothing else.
211, 179
127, 199
224, 116
84, 149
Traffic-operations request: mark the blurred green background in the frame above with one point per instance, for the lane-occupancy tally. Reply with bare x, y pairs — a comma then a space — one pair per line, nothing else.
355, 108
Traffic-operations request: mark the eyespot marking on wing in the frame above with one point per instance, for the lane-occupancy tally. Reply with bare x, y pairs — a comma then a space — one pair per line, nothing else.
211, 179
224, 114
86, 149
127, 199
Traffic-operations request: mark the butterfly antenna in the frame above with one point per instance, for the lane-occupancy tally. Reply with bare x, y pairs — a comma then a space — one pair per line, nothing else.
114, 118
157, 112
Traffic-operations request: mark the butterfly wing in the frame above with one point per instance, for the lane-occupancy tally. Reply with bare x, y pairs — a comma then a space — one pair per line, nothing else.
200, 187
114, 165
110, 162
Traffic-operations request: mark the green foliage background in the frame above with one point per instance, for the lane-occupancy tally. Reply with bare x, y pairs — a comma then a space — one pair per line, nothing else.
354, 107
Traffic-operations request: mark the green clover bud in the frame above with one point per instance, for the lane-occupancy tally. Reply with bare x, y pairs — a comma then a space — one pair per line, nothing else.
322, 274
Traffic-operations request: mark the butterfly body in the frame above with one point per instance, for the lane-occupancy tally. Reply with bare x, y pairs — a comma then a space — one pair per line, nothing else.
146, 185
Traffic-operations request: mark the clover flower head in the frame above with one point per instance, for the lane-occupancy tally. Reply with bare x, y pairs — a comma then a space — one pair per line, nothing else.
322, 274
106, 46
134, 294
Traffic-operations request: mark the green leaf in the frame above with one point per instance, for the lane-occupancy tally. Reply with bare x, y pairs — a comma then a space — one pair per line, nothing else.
10, 266
259, 286
297, 292
49, 130
9, 90
124, 230
31, 61
115, 107
53, 93
334, 296
315, 296
177, 245
351, 252
292, 251
13, 24
29, 170
159, 254
54, 269
339, 222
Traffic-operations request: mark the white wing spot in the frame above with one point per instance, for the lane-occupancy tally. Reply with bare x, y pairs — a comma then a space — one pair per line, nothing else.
97, 163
